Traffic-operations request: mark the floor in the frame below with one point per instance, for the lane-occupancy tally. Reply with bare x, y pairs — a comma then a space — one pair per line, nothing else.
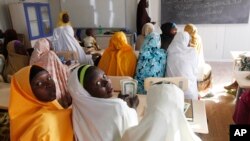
220, 107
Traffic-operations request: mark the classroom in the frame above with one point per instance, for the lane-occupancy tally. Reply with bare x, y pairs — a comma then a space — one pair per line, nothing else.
124, 70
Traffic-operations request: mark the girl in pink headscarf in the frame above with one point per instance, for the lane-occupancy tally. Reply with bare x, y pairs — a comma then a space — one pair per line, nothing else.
47, 59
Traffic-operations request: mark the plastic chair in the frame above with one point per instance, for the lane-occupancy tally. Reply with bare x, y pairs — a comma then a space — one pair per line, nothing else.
179, 81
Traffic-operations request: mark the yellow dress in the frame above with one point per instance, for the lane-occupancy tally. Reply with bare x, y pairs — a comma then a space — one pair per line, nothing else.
119, 58
33, 120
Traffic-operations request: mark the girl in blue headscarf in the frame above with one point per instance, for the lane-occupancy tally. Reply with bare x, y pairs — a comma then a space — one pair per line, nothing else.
151, 61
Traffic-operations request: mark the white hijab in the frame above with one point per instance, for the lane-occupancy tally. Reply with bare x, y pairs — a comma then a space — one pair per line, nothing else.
98, 119
164, 119
182, 61
64, 40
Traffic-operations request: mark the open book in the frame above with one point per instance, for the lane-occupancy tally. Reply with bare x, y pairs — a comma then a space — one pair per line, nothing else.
188, 109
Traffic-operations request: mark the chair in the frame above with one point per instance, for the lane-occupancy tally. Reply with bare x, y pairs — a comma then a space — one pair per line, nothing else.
179, 81
115, 81
67, 55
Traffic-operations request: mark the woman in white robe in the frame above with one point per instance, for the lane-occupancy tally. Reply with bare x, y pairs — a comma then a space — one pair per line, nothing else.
182, 61
164, 118
64, 40
96, 116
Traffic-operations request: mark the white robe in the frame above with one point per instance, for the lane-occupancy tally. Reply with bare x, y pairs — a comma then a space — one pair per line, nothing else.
164, 119
183, 61
64, 40
98, 119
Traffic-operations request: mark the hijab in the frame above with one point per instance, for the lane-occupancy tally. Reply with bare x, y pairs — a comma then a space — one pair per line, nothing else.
31, 119
196, 43
47, 59
146, 29
151, 61
96, 119
119, 58
60, 21
142, 15
167, 36
182, 61
164, 118
14, 60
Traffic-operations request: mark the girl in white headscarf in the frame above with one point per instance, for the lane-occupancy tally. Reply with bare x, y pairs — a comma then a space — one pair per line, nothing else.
182, 61
164, 119
64, 40
146, 29
97, 116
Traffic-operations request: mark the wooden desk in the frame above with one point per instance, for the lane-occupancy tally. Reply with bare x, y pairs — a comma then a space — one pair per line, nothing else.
199, 123
4, 95
240, 77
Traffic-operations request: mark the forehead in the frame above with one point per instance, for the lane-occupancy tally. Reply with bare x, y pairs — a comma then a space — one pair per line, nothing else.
40, 75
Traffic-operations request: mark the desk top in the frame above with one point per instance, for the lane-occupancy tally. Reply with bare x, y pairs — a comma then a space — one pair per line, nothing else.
237, 54
240, 77
199, 123
4, 95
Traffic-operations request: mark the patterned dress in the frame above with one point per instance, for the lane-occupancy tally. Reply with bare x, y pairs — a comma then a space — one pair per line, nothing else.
151, 61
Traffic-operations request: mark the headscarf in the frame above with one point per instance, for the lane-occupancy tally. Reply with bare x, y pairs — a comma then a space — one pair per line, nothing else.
14, 61
96, 119
31, 119
146, 29
119, 58
142, 15
60, 21
196, 43
151, 61
182, 61
64, 40
42, 56
164, 118
9, 35
167, 36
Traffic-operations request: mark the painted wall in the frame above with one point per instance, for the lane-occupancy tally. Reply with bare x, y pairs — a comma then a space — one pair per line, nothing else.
5, 21
218, 39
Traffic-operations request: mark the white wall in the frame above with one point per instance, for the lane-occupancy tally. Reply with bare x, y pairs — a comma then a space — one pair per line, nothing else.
218, 39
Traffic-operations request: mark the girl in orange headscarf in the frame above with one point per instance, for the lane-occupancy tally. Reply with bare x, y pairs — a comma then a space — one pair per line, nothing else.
119, 58
34, 112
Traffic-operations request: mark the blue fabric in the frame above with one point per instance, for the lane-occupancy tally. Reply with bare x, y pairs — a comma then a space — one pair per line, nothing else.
151, 62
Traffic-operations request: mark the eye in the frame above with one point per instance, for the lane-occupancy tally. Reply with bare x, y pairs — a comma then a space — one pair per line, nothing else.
105, 77
98, 83
39, 83
50, 78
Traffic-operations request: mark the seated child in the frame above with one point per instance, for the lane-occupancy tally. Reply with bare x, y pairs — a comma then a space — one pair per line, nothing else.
89, 41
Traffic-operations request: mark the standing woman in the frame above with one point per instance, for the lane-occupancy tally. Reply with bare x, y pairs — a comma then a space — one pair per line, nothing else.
119, 58
42, 56
64, 40
142, 15
35, 115
182, 61
151, 61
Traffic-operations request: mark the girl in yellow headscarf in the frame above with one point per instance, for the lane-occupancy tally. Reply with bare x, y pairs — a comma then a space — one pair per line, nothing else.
119, 58
63, 19
204, 70
34, 112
